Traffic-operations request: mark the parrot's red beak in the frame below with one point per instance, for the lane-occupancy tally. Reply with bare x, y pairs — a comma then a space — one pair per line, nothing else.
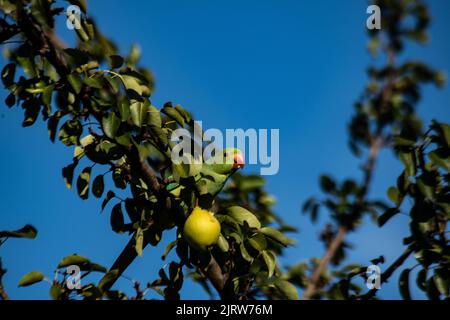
238, 161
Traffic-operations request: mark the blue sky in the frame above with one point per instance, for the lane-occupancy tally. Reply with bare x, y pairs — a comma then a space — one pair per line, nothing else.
293, 65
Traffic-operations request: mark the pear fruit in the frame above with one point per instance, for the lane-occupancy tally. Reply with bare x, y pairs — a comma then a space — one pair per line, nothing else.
201, 229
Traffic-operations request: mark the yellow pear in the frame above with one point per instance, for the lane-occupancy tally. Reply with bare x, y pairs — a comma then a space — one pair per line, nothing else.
201, 229
78, 152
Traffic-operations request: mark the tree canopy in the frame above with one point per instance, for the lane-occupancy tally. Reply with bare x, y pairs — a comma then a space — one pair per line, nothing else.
97, 102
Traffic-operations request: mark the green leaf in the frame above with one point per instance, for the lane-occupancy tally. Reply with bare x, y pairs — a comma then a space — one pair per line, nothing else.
388, 214
98, 186
154, 117
422, 279
287, 289
117, 220
95, 267
404, 284
70, 132
134, 55
73, 259
394, 195
10, 100
258, 242
373, 46
67, 173
124, 140
119, 179
445, 132
244, 253
83, 183
55, 291
432, 292
27, 65
169, 247
138, 113
441, 280
234, 235
124, 110
75, 82
108, 197
276, 235
439, 159
47, 94
131, 83
110, 124
426, 189
174, 114
186, 115
8, 74
407, 158
116, 61
249, 183
52, 126
401, 141
327, 184
160, 134
402, 183
222, 243
32, 109
186, 168
240, 214
269, 259
27, 231
139, 238
31, 278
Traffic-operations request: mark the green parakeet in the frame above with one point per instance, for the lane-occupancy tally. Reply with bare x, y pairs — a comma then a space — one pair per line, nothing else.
210, 176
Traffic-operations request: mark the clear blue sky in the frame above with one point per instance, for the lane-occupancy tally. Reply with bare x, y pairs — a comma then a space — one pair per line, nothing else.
293, 65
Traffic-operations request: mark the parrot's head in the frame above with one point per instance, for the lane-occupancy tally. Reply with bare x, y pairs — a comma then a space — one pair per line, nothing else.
227, 161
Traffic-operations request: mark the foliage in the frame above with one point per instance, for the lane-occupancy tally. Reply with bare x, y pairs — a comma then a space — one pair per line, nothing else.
98, 102
385, 117
26, 232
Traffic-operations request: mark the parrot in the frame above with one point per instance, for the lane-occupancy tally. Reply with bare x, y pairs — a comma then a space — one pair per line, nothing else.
210, 178
212, 174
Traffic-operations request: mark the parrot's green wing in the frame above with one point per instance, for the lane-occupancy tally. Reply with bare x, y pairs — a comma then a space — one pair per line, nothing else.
211, 182
216, 171
213, 174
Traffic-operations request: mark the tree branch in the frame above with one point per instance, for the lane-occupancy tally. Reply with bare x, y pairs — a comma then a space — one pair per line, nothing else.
3, 294
389, 271
215, 276
376, 144
342, 231
332, 248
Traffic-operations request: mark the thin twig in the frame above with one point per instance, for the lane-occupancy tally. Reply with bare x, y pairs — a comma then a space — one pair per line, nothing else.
3, 294
389, 271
